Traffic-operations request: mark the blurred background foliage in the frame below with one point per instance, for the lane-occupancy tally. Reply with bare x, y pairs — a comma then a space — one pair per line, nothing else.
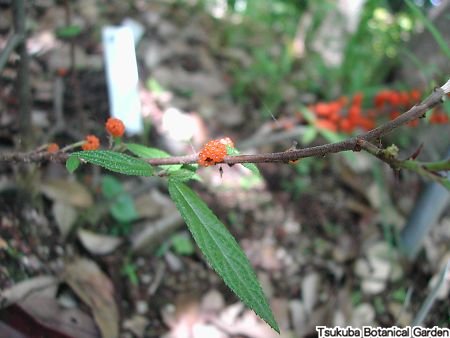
286, 40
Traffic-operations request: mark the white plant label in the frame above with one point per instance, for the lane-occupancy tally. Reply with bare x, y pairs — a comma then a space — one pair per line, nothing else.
122, 77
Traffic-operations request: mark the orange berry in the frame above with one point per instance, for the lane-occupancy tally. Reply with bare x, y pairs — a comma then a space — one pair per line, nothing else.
115, 127
439, 117
92, 143
395, 114
415, 96
444, 118
394, 98
372, 114
380, 99
322, 109
53, 148
343, 100
346, 126
404, 99
334, 116
335, 110
357, 99
62, 72
354, 112
413, 123
326, 124
366, 123
214, 152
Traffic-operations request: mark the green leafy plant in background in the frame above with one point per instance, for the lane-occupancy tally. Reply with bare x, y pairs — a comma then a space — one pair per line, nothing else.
69, 32
129, 270
369, 54
120, 204
267, 29
182, 244
212, 237
264, 24
440, 40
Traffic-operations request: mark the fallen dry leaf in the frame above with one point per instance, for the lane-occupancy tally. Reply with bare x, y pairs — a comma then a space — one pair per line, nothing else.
212, 302
380, 266
66, 191
363, 315
3, 244
98, 244
65, 217
310, 290
136, 325
43, 285
96, 290
70, 322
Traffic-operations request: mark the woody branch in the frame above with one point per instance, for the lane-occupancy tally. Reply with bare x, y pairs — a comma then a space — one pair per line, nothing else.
356, 143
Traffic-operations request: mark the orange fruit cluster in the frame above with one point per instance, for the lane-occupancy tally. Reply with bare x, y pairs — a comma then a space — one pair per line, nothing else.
399, 99
343, 115
91, 143
394, 101
346, 115
115, 127
214, 151
438, 117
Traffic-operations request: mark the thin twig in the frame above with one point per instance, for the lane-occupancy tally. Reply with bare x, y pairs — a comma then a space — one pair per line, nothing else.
389, 155
351, 144
415, 112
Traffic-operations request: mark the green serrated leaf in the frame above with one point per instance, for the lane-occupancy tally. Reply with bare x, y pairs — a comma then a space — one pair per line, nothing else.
147, 152
72, 163
191, 167
250, 166
184, 175
117, 162
221, 250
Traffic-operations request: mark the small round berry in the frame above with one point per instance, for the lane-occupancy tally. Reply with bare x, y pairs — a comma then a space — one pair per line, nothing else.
53, 148
92, 143
115, 127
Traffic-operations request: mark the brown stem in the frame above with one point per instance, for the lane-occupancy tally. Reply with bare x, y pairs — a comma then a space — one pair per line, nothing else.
352, 144
424, 169
415, 112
